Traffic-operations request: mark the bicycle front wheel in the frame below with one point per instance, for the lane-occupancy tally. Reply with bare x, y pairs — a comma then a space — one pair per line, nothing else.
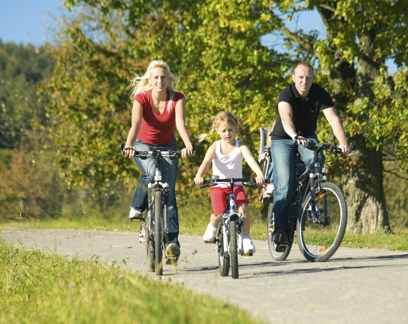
233, 248
158, 232
223, 257
320, 234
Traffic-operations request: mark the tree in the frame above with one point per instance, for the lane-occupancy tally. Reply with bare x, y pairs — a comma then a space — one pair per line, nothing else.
215, 48
21, 106
30, 184
227, 69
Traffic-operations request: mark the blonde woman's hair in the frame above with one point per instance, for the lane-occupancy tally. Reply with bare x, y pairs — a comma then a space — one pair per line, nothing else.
219, 119
141, 84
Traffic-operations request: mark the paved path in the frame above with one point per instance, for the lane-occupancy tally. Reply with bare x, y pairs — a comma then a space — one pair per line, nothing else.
355, 286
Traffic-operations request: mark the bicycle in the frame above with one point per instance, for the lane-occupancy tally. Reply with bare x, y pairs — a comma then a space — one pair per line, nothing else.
319, 211
153, 228
228, 237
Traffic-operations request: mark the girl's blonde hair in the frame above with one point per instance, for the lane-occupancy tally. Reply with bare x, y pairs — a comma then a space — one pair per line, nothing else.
219, 119
141, 84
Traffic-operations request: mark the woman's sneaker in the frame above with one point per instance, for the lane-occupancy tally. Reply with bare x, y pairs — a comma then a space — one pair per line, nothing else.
135, 215
247, 245
209, 235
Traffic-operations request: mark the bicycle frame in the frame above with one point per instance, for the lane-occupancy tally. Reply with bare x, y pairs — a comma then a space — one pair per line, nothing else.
230, 227
155, 226
319, 212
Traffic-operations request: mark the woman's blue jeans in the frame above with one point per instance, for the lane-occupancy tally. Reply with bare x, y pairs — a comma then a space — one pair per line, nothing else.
169, 174
284, 159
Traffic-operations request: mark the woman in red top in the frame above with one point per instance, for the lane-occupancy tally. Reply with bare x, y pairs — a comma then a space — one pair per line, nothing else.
157, 110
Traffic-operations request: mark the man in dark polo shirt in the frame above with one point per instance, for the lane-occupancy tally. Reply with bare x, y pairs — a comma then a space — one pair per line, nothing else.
299, 105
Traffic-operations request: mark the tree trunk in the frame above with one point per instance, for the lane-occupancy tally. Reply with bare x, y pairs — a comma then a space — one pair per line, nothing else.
364, 187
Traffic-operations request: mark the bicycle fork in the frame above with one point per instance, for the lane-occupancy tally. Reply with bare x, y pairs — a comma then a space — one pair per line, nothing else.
226, 223
313, 210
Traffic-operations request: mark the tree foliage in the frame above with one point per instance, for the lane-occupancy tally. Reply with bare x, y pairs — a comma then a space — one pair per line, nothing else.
214, 46
22, 109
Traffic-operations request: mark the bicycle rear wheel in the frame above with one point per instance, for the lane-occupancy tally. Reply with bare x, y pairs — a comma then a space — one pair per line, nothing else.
233, 248
223, 257
158, 232
270, 227
319, 238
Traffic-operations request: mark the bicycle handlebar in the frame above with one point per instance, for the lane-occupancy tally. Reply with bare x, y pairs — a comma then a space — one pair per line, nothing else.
325, 147
155, 153
245, 181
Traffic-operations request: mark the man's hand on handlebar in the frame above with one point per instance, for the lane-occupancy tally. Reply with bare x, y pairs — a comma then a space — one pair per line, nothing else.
300, 140
345, 149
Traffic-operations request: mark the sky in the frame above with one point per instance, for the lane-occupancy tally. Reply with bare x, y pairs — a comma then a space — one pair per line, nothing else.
30, 21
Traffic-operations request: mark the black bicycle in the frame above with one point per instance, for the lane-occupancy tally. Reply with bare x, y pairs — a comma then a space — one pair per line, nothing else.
319, 211
228, 236
153, 228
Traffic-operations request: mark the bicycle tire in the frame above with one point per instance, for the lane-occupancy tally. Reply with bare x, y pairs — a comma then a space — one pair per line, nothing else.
158, 232
233, 248
223, 257
319, 240
149, 245
277, 256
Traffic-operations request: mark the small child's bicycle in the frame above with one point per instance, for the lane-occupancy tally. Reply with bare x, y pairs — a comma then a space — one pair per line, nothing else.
228, 237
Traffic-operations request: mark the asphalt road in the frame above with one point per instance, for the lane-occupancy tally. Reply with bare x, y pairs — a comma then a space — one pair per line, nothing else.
354, 286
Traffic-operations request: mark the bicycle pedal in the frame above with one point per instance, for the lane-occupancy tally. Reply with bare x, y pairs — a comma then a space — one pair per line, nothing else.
247, 254
171, 260
281, 247
142, 240
209, 242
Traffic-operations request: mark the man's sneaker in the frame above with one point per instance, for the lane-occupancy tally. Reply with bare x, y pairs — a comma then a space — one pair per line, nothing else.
209, 235
247, 245
135, 215
280, 238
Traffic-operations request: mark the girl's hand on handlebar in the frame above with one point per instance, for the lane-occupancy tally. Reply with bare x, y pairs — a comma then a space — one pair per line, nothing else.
198, 180
260, 180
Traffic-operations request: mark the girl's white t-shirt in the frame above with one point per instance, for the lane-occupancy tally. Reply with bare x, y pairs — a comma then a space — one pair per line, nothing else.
227, 166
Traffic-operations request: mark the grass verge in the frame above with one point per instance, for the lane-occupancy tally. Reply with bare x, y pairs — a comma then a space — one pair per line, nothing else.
41, 288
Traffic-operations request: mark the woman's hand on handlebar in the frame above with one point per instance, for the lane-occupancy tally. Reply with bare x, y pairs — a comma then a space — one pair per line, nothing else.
188, 151
129, 151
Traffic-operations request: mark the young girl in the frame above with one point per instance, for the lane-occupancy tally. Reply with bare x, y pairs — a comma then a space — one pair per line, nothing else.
226, 156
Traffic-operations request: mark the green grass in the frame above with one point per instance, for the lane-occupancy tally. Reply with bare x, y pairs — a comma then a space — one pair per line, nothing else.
40, 288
